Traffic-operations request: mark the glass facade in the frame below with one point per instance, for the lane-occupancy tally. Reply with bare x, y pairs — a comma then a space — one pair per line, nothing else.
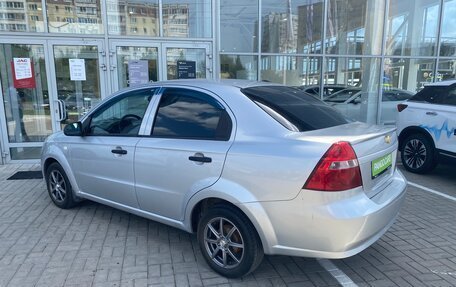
354, 27
132, 17
412, 28
21, 16
74, 16
238, 67
187, 19
361, 56
448, 37
374, 53
239, 25
289, 70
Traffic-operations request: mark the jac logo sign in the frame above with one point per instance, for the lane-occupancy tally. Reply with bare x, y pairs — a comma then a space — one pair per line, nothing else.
23, 75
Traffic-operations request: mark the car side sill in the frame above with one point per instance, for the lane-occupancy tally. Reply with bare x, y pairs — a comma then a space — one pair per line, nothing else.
447, 153
135, 211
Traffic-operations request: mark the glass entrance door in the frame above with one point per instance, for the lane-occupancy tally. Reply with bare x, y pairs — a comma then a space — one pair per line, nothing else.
25, 108
45, 84
187, 61
142, 62
79, 69
133, 64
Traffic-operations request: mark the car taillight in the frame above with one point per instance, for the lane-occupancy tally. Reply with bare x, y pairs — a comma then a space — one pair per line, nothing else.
337, 170
401, 107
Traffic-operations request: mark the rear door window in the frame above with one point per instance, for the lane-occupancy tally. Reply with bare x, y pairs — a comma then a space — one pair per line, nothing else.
429, 94
447, 98
298, 108
189, 114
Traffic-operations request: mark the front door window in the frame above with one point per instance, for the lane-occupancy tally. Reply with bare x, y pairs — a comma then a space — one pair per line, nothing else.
122, 117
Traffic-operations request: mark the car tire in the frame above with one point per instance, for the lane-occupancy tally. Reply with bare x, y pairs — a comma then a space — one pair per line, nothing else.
229, 242
59, 187
418, 154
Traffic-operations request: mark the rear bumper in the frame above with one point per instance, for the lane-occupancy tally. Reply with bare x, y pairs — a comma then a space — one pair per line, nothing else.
331, 224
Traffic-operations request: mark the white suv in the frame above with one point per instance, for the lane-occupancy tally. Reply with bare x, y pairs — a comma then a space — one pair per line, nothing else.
426, 125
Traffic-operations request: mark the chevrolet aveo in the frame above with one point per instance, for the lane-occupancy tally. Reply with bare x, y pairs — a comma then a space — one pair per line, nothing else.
252, 168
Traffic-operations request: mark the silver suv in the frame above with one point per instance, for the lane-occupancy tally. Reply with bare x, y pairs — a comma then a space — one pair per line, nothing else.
426, 125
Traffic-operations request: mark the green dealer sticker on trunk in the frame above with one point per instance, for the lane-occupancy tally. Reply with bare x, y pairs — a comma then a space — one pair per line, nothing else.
382, 164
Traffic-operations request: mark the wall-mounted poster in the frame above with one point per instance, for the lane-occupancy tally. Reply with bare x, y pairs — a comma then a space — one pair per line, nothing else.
186, 69
77, 70
23, 75
138, 72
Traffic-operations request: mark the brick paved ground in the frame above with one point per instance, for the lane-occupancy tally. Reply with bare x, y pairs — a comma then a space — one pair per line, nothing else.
95, 245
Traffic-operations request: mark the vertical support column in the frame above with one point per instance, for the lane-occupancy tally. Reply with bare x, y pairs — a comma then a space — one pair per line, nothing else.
3, 133
323, 60
439, 41
414, 37
383, 64
370, 69
259, 40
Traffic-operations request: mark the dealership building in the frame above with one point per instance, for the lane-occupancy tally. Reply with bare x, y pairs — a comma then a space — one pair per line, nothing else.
59, 55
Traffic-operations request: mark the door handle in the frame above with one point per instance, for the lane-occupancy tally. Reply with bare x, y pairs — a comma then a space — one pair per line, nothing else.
119, 150
199, 157
61, 110
431, 113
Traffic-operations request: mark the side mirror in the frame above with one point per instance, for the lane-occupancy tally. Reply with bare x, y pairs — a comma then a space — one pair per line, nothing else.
73, 129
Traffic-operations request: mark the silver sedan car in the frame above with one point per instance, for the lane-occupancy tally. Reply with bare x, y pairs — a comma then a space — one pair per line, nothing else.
252, 168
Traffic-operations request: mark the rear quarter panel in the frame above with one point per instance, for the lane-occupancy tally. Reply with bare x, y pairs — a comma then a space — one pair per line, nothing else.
272, 169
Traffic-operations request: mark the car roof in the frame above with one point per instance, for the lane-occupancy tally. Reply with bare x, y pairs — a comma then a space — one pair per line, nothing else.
220, 82
214, 85
325, 86
443, 83
206, 83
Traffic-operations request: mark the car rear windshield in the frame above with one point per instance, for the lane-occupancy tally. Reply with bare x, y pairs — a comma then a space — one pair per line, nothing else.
294, 108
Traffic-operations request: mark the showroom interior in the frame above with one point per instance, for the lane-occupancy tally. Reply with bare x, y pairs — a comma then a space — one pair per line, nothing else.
59, 58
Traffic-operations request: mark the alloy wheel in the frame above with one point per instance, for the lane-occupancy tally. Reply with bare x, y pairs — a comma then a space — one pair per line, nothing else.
415, 153
224, 243
58, 188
